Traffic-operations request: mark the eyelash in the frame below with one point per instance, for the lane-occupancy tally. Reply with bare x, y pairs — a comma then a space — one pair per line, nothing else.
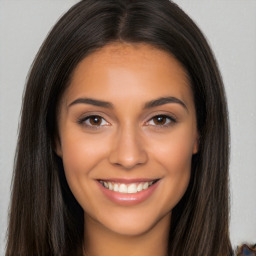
83, 121
171, 121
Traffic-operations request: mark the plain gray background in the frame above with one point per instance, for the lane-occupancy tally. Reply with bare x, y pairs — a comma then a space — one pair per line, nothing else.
229, 25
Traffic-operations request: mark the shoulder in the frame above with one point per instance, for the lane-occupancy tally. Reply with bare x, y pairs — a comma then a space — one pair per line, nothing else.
246, 250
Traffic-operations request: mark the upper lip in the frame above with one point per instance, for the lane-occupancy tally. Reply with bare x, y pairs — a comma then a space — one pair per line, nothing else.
127, 181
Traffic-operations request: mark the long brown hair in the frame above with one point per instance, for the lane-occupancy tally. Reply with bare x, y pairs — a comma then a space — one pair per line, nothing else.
45, 218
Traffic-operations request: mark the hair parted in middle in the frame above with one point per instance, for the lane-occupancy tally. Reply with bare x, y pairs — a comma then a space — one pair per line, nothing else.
45, 218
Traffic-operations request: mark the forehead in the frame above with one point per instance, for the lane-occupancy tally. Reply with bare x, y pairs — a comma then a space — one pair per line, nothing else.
119, 68
138, 54
130, 51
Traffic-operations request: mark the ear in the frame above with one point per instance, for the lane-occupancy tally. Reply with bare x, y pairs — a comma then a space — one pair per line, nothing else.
196, 144
57, 147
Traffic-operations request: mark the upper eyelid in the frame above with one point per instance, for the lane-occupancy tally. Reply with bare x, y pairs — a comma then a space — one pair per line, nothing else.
85, 118
172, 119
169, 115
91, 114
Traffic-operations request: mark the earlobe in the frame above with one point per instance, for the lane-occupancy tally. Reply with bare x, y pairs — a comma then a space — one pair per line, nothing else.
196, 144
58, 148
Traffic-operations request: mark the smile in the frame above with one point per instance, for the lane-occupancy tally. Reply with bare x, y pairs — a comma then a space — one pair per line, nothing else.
131, 188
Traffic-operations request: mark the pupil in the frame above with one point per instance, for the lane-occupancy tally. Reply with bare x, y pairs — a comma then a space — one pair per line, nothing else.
160, 120
95, 120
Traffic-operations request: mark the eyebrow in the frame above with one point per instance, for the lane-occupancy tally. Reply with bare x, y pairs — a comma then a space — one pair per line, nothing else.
153, 103
94, 102
164, 100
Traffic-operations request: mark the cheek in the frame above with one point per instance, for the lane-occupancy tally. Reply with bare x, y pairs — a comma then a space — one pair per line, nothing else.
80, 155
175, 151
174, 155
178, 172
176, 160
80, 152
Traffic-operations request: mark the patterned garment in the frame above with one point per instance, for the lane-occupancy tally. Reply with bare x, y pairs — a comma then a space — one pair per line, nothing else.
246, 250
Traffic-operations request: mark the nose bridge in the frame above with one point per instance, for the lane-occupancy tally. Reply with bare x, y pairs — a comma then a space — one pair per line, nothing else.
127, 147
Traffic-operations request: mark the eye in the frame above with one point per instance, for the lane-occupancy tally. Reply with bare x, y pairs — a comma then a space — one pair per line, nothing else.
161, 120
94, 121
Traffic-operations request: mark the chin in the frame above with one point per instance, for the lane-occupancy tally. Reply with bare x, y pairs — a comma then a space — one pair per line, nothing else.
134, 224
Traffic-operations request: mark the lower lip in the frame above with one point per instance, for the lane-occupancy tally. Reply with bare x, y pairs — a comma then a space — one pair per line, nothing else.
128, 199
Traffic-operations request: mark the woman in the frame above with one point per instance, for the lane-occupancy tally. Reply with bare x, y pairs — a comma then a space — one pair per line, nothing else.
123, 144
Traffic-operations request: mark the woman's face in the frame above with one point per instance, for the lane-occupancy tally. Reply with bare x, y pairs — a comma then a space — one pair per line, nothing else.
127, 128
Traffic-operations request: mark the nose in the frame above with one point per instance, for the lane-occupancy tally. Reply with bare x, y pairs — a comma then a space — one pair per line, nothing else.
128, 149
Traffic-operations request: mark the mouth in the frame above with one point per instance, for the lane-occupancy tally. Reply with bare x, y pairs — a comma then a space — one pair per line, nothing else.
128, 192
126, 187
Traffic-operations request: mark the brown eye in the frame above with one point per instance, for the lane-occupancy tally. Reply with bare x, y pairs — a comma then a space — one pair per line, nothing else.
159, 120
95, 120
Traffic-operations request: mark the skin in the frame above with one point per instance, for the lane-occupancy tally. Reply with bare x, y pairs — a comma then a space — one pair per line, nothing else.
128, 142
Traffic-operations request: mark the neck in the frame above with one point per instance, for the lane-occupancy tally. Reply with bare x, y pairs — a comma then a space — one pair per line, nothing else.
100, 241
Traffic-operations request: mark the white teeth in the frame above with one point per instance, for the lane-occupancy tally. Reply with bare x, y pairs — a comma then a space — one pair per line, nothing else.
126, 188
123, 188
139, 188
132, 188
145, 185
115, 187
110, 186
105, 184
